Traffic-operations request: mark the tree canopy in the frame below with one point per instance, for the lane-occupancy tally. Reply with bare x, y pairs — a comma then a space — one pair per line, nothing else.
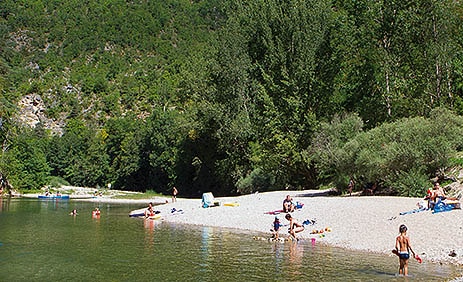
230, 96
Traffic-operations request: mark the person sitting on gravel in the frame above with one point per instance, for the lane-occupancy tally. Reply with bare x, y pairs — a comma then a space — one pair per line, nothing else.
288, 205
438, 194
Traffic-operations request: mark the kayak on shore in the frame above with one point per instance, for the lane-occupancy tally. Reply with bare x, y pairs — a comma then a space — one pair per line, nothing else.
62, 197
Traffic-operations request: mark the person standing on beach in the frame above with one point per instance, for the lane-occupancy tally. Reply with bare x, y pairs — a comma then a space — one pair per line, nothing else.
403, 249
174, 194
350, 186
294, 226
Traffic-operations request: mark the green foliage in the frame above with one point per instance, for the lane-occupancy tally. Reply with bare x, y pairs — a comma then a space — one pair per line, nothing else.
403, 153
57, 182
456, 161
146, 195
412, 183
232, 95
333, 147
256, 181
165, 132
25, 164
123, 145
79, 155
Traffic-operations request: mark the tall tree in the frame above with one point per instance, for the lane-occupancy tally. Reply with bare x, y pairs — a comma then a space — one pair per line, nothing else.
282, 40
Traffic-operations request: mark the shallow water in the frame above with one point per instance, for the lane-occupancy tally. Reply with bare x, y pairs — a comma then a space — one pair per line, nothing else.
40, 241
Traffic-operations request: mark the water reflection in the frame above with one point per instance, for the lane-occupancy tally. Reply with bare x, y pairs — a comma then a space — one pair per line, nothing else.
206, 237
118, 248
149, 234
278, 251
296, 253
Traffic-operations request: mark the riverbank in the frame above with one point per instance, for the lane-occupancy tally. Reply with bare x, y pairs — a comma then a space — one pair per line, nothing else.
358, 223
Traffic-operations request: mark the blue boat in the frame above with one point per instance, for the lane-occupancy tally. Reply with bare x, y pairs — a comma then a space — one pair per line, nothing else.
53, 197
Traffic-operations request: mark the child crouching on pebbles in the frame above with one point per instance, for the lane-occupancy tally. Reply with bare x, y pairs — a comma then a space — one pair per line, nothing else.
294, 226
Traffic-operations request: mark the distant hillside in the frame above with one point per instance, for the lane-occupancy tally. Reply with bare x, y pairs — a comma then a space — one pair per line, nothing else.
96, 60
232, 96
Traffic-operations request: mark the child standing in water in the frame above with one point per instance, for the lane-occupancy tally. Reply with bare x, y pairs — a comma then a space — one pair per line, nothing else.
276, 227
403, 249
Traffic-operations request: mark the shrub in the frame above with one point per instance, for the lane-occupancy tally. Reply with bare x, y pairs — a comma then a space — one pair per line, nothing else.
410, 183
257, 180
57, 182
402, 154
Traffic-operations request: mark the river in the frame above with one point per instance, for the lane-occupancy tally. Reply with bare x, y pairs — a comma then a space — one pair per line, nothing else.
40, 241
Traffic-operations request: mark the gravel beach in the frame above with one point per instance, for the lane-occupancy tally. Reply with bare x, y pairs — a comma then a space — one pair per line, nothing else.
358, 223
363, 223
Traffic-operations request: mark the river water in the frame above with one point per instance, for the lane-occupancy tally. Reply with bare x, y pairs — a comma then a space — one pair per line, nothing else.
40, 241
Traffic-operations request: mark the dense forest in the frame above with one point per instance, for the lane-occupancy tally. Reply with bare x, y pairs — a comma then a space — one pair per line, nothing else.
230, 96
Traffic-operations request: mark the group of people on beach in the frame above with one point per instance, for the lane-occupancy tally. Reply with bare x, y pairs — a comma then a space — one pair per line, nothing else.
294, 225
403, 246
436, 195
150, 212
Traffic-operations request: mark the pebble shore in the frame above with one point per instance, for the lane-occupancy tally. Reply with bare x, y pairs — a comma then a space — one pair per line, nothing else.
359, 223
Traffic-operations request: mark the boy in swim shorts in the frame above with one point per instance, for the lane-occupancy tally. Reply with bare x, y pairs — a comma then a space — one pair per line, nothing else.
403, 248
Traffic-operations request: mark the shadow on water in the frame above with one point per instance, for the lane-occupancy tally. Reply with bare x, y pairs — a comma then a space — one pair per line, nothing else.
53, 246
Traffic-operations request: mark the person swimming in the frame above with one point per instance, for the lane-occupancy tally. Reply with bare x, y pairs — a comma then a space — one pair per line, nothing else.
96, 212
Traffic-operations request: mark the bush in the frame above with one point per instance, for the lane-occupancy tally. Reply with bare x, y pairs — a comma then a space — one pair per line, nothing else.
257, 180
402, 154
57, 182
410, 183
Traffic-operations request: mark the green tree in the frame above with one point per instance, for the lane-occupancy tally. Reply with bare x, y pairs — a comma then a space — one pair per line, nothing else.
24, 163
276, 46
124, 146
392, 154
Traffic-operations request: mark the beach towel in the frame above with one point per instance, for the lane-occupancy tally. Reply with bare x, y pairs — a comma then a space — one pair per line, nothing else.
442, 207
297, 206
274, 212
413, 211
